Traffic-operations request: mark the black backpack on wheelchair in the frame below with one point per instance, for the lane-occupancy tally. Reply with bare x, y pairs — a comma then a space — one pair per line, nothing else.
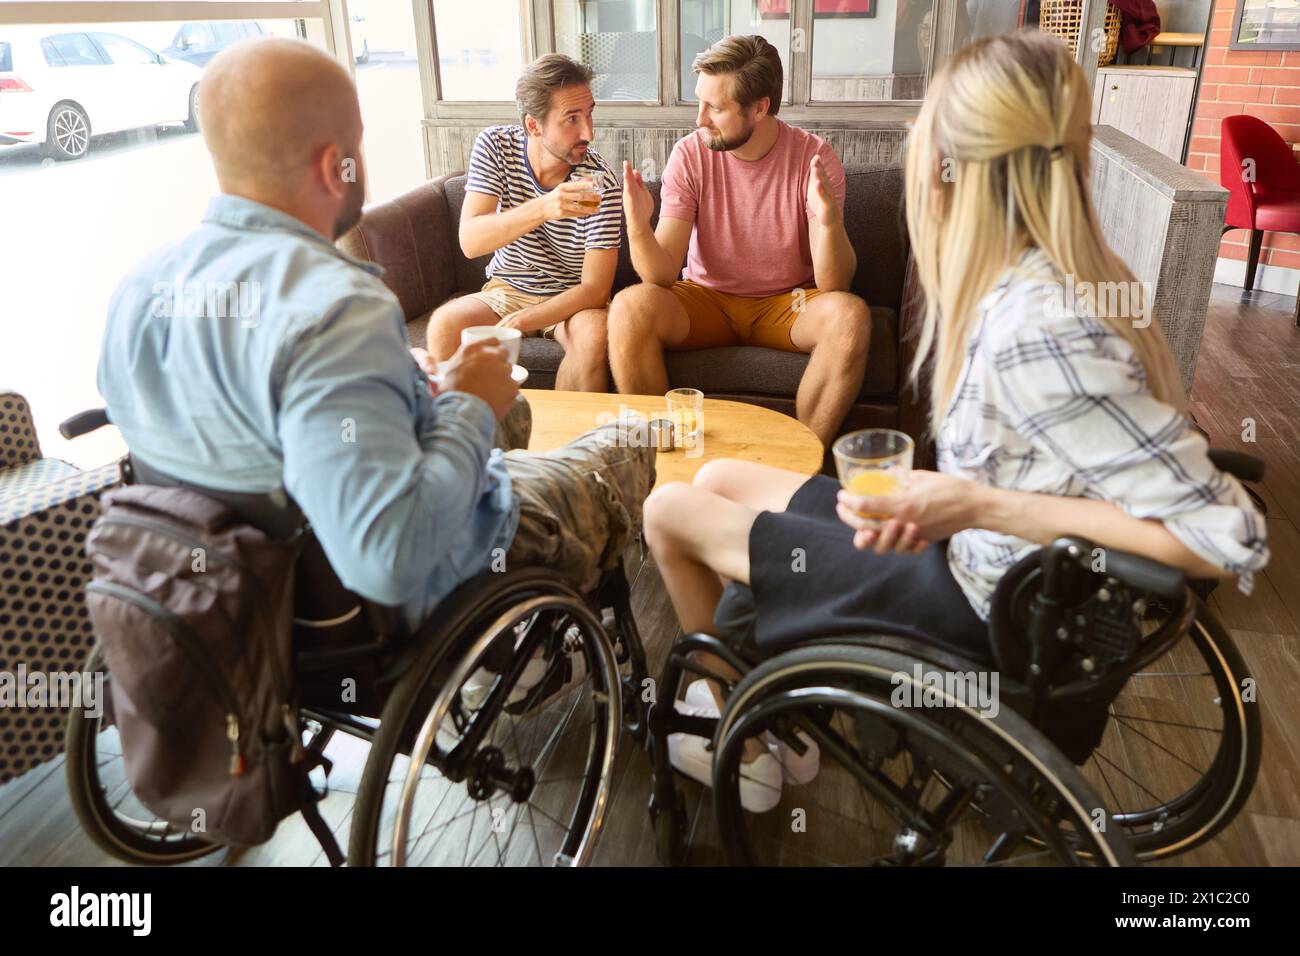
198, 601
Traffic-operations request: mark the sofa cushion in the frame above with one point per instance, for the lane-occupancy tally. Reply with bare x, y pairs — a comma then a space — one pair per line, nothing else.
873, 219
735, 368
740, 368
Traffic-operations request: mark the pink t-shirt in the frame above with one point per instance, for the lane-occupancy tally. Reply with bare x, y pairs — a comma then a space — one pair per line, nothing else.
750, 218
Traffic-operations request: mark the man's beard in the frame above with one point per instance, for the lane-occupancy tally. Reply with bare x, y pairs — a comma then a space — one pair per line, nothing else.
562, 157
719, 143
350, 214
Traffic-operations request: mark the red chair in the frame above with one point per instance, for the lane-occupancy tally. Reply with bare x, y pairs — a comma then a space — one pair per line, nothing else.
1263, 182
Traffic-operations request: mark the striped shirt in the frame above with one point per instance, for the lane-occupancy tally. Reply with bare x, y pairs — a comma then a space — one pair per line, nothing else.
1051, 400
547, 260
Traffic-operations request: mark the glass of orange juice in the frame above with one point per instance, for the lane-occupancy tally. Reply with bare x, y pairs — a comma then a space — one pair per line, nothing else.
686, 409
874, 461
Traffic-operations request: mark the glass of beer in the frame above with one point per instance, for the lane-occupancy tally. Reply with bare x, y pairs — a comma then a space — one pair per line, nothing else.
686, 410
874, 461
593, 179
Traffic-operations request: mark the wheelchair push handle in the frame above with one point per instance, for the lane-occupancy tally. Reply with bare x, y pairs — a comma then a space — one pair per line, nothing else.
83, 423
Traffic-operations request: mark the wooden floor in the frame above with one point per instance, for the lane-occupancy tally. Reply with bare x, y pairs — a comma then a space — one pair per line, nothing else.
1249, 372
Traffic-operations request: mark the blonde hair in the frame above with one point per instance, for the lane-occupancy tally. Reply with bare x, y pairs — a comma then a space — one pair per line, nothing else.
753, 63
999, 160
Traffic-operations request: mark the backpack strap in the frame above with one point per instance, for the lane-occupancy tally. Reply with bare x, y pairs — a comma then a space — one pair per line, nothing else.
311, 812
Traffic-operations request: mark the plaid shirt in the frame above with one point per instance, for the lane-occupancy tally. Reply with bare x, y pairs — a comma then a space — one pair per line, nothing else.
1052, 401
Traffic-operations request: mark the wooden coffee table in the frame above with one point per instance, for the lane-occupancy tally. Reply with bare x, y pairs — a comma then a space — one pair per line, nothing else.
731, 430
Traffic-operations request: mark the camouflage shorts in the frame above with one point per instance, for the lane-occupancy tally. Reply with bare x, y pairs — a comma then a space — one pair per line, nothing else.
580, 505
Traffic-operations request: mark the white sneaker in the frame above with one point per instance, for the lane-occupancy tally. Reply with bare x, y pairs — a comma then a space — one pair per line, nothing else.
699, 695
794, 768
760, 781
476, 687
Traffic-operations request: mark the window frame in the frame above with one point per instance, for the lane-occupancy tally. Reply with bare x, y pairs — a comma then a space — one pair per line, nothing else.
537, 24
331, 14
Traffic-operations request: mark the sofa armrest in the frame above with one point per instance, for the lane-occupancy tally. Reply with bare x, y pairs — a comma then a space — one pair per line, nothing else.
412, 237
18, 442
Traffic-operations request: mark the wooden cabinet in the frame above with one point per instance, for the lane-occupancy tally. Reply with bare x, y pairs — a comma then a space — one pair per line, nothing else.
1151, 103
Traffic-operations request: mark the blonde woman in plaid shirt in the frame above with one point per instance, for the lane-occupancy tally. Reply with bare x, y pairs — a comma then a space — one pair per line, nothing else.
1051, 415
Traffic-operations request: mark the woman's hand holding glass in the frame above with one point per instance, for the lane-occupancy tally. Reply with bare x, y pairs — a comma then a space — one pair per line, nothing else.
931, 506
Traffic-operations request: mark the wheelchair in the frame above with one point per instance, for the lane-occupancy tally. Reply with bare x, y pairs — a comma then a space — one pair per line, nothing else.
470, 764
1127, 733
492, 728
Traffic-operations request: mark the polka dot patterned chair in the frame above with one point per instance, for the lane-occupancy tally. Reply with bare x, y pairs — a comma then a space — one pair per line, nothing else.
46, 509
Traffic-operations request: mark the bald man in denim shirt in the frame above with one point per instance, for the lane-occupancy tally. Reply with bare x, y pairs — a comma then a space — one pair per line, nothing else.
253, 355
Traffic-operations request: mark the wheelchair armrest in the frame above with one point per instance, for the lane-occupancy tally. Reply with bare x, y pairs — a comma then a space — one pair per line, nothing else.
83, 423
1238, 464
1145, 574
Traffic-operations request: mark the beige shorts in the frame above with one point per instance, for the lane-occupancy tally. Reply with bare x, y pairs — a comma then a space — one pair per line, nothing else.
504, 299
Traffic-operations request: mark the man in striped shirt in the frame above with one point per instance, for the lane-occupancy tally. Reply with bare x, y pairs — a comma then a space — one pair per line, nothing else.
548, 208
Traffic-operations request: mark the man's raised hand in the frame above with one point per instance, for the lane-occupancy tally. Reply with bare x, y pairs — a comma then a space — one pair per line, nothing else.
821, 198
638, 204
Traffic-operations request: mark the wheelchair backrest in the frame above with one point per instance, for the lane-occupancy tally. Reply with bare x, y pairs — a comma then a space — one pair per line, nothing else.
321, 600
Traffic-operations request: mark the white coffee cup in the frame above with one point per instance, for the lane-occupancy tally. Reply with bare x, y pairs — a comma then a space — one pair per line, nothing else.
509, 339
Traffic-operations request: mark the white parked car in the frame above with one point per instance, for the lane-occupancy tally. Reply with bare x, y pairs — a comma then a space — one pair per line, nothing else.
61, 86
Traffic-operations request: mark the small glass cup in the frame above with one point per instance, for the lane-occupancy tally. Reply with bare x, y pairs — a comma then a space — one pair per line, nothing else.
874, 461
595, 182
686, 410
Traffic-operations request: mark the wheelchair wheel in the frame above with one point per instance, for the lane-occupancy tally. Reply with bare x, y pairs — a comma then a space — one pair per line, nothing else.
103, 801
473, 765
901, 785
1184, 722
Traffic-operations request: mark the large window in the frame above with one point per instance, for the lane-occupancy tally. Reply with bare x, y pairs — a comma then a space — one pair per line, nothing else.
871, 49
618, 40
385, 49
878, 54
480, 48
123, 173
705, 22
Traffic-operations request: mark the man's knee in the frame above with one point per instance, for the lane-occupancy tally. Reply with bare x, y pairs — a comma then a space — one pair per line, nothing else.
846, 323
587, 334
633, 313
450, 317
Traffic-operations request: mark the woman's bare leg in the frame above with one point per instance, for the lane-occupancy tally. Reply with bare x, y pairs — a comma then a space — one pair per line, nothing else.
698, 538
759, 487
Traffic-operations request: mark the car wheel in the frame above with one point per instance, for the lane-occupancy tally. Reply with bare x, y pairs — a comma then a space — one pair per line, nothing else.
67, 133
192, 122
364, 57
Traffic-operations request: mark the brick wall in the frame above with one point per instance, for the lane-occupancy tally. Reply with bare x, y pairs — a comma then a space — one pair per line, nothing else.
1264, 84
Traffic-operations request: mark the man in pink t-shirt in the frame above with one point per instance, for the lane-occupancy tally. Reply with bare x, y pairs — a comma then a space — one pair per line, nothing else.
756, 207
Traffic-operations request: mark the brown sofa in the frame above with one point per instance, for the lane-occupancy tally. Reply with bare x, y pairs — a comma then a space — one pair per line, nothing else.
414, 237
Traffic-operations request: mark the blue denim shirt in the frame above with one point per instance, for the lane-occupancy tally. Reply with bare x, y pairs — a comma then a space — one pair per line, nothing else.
253, 355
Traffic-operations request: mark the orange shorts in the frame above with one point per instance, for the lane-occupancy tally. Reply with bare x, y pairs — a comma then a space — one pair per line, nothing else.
719, 318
